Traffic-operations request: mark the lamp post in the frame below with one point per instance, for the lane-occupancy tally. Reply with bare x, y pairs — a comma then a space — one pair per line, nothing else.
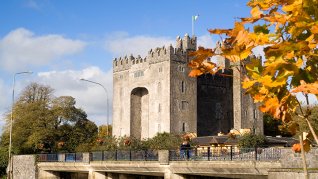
11, 124
82, 79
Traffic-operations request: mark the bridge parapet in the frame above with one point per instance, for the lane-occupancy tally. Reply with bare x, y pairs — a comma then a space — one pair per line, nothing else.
164, 156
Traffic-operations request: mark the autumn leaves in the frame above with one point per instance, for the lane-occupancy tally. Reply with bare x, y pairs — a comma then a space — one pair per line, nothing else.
288, 31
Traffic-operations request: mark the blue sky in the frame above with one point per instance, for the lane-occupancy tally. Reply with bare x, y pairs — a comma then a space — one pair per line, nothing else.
63, 41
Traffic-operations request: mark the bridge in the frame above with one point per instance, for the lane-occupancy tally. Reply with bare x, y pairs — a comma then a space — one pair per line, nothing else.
254, 163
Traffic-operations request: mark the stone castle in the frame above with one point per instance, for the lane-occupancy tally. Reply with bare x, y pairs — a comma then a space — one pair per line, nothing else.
154, 94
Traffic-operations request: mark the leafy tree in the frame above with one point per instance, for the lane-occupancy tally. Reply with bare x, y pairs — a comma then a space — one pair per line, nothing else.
44, 123
3, 160
165, 141
249, 140
161, 141
104, 130
288, 32
275, 127
313, 118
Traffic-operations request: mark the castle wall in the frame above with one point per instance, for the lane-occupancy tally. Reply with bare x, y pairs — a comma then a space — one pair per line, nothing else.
183, 97
153, 74
246, 112
215, 104
163, 72
170, 101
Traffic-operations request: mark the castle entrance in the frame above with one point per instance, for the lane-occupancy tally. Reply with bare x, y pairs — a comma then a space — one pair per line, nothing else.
139, 113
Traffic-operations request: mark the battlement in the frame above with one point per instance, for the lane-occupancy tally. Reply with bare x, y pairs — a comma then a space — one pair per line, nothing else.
158, 54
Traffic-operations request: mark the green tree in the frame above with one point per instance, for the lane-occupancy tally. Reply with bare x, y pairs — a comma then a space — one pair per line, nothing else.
44, 123
313, 118
165, 141
104, 130
251, 140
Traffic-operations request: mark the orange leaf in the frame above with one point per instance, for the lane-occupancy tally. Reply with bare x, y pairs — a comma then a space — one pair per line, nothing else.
259, 98
255, 12
195, 73
306, 88
296, 148
314, 29
219, 31
270, 105
247, 83
306, 145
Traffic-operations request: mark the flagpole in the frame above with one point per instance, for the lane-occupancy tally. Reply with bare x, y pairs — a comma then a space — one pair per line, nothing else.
192, 25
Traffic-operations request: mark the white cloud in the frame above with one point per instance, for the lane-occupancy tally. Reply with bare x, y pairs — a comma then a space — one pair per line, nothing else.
206, 41
21, 49
90, 97
120, 44
4, 102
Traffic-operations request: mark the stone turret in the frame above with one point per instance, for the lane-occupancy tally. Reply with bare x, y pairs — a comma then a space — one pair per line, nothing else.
186, 43
189, 43
220, 60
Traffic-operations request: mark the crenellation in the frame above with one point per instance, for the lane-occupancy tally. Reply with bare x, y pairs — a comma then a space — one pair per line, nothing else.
179, 42
159, 54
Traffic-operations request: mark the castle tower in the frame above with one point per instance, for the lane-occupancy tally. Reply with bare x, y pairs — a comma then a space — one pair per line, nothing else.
154, 94
246, 112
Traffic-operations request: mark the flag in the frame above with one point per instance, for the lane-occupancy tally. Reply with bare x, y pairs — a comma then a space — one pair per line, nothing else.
194, 18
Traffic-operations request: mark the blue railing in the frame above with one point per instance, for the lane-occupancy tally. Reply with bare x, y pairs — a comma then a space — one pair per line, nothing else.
63, 157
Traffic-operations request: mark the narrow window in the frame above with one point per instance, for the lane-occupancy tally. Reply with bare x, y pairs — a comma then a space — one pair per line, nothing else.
159, 108
184, 105
182, 87
158, 128
246, 113
159, 88
183, 127
255, 113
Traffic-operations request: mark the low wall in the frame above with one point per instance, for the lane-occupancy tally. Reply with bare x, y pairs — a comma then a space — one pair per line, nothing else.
289, 166
290, 159
291, 174
24, 167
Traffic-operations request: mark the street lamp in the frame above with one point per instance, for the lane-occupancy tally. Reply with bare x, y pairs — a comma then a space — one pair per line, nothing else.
82, 79
11, 123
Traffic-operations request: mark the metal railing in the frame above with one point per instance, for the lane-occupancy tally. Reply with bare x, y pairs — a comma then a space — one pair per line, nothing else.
125, 155
61, 157
203, 154
225, 153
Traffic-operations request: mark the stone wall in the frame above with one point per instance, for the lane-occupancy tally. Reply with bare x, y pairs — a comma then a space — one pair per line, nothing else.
291, 174
291, 159
24, 167
215, 104
178, 103
246, 113
162, 73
